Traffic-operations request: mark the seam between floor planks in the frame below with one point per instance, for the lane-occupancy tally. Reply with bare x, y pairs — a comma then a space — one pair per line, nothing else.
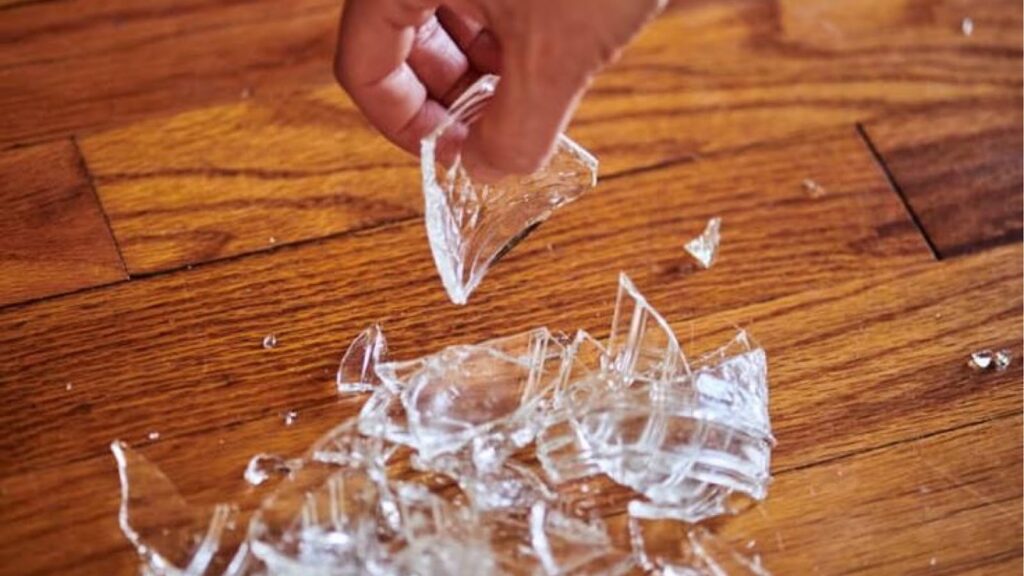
870, 449
91, 182
896, 188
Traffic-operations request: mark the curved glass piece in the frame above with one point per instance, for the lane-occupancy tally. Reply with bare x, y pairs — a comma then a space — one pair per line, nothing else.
171, 537
471, 225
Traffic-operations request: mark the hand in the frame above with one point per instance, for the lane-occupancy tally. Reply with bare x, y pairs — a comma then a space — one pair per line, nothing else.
404, 61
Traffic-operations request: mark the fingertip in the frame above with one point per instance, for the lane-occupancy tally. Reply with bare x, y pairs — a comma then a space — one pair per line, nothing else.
488, 156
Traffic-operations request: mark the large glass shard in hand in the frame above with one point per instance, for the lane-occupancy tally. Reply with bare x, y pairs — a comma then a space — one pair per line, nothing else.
469, 224
171, 537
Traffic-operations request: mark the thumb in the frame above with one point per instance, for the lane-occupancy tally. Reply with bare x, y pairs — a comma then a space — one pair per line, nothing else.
518, 130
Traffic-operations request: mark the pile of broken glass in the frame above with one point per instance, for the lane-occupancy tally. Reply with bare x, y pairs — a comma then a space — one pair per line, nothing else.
520, 455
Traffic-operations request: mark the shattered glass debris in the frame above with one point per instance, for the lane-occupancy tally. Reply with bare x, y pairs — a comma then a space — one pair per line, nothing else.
814, 190
688, 550
170, 536
357, 371
262, 467
467, 394
471, 225
498, 457
983, 360
967, 26
269, 342
290, 417
704, 248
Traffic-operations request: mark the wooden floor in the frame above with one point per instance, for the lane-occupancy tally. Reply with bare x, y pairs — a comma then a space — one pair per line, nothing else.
180, 178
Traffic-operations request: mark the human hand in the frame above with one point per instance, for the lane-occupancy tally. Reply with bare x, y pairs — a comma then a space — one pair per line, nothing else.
404, 61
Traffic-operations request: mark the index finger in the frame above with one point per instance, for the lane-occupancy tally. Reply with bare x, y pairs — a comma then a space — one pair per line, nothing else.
374, 41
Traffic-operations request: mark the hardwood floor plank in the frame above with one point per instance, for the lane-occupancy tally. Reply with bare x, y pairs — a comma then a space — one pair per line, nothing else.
961, 173
943, 505
222, 180
55, 237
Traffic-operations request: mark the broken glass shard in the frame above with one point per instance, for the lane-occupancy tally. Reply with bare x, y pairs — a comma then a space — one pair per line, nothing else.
545, 540
465, 427
269, 342
671, 548
967, 26
464, 392
981, 360
813, 189
1003, 359
470, 225
357, 370
330, 520
696, 441
262, 467
696, 447
704, 248
562, 450
290, 417
642, 344
567, 545
383, 416
170, 536
509, 486
319, 520
346, 446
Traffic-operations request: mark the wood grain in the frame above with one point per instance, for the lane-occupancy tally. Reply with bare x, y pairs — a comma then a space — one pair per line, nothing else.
777, 239
55, 238
222, 180
80, 65
856, 368
961, 173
